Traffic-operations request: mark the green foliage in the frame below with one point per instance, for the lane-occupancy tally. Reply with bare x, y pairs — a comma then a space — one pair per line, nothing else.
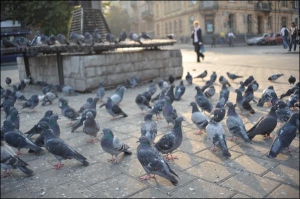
51, 16
117, 20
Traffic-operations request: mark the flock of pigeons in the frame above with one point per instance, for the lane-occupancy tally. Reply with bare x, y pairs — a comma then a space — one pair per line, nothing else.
205, 116
76, 38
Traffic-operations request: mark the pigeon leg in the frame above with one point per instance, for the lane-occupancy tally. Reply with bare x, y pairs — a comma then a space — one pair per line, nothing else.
171, 158
6, 173
19, 152
91, 141
113, 118
146, 177
232, 138
58, 166
200, 132
214, 148
268, 136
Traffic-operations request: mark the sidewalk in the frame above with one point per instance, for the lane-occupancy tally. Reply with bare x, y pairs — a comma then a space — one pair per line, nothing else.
202, 173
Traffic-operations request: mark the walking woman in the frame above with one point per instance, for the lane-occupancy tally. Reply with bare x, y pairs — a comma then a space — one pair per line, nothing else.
197, 40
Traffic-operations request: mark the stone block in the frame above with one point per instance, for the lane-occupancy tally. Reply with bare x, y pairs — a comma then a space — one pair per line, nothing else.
124, 68
80, 85
81, 68
90, 72
149, 74
140, 66
175, 61
165, 63
178, 71
105, 70
92, 83
164, 54
116, 79
20, 60
70, 82
90, 60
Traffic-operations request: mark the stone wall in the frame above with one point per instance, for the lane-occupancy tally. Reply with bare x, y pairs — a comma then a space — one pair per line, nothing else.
85, 72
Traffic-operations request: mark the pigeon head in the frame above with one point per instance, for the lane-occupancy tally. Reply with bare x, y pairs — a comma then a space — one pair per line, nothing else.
8, 126
15, 88
197, 88
48, 113
193, 104
179, 119
229, 105
96, 99
54, 117
107, 132
109, 99
42, 126
273, 109
238, 91
296, 92
89, 115
271, 87
144, 140
89, 100
281, 104
148, 116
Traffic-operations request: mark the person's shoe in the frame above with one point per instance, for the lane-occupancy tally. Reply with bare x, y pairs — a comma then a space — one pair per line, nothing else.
203, 57
198, 60
289, 50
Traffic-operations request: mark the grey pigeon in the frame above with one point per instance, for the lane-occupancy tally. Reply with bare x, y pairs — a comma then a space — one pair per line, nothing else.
266, 96
86, 105
31, 103
117, 97
153, 163
216, 134
134, 37
248, 80
14, 118
274, 77
265, 124
283, 112
9, 160
88, 38
235, 124
93, 104
274, 99
100, 91
90, 126
7, 103
68, 91
179, 91
111, 38
49, 97
202, 75
242, 104
290, 91
27, 80
21, 86
36, 40
170, 36
213, 77
241, 86
285, 135
224, 93
113, 109
152, 88
96, 36
159, 104
62, 39
149, 128
293, 99
219, 111
34, 129
198, 118
202, 101
162, 84
170, 93
189, 78
233, 76
169, 112
23, 41
132, 82
66, 110
44, 39
51, 40
210, 91
171, 140
254, 85
58, 147
144, 35
8, 81
147, 95
19, 96
292, 80
223, 80
113, 145
81, 118
76, 38
206, 85
171, 79
17, 139
123, 36
142, 102
248, 94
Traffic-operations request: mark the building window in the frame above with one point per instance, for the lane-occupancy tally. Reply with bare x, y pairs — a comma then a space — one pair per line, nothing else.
250, 1
284, 3
296, 4
249, 24
180, 26
170, 26
157, 29
269, 22
231, 22
157, 11
283, 21
175, 27
166, 29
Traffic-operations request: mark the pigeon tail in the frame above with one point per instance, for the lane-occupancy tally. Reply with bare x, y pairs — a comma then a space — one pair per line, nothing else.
125, 115
81, 159
126, 151
25, 170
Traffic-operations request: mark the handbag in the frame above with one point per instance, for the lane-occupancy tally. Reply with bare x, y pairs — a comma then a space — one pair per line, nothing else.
202, 49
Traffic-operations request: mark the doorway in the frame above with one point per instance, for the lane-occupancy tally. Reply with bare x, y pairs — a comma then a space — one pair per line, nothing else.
260, 24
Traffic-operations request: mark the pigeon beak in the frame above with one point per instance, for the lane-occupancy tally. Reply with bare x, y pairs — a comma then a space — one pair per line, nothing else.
137, 141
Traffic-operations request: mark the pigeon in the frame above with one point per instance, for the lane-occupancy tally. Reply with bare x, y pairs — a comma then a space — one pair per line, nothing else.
170, 93
179, 91
149, 128
216, 134
189, 78
58, 147
207, 84
66, 110
213, 77
169, 112
21, 86
111, 38
219, 111
49, 97
7, 103
7, 81
248, 94
254, 85
68, 91
242, 104
248, 80
100, 91
51, 40
19, 96
198, 118
233, 76
162, 84
241, 86
11, 109
171, 140
17, 139
14, 118
76, 38
170, 36
88, 38
113, 109
44, 40
224, 93
285, 135
223, 80
152, 88
86, 105
134, 37
142, 102
292, 80
117, 97
171, 79
31, 103
153, 163
82, 117
274, 77
9, 160
34, 129
266, 96
123, 36
132, 82
283, 112
159, 104
290, 91
235, 124
90, 126
274, 99
147, 95
113, 145
210, 91
265, 125
27, 80
97, 36
293, 99
36, 40
144, 35
202, 75
202, 101
62, 39
22, 41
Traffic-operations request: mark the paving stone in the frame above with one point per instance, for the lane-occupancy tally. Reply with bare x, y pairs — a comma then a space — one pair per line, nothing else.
217, 156
240, 196
184, 161
285, 191
284, 174
10, 184
252, 185
150, 193
191, 146
202, 189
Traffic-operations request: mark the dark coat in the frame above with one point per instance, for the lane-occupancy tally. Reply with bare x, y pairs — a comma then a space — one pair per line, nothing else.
199, 34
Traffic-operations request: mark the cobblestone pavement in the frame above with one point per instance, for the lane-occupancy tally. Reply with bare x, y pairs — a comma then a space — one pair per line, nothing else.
203, 173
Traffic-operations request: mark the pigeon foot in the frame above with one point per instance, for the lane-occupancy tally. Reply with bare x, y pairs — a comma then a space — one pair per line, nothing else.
58, 166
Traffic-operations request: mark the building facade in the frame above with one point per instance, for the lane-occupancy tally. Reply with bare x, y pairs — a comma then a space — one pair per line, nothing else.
242, 17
